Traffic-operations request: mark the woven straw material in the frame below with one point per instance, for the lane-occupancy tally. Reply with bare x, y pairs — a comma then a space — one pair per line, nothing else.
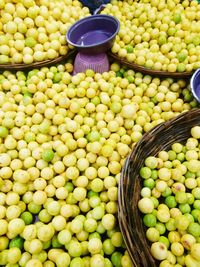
151, 72
159, 138
37, 65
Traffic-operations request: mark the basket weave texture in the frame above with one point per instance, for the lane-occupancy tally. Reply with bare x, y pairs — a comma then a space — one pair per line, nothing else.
37, 65
148, 71
159, 138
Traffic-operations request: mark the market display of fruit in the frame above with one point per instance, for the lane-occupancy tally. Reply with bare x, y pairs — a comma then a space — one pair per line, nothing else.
170, 202
64, 138
159, 35
63, 142
34, 30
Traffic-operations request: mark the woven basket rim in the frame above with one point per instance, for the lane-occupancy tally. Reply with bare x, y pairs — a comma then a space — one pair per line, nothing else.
33, 65
145, 70
130, 218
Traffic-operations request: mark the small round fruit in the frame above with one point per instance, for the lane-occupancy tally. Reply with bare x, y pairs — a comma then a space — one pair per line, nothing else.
159, 251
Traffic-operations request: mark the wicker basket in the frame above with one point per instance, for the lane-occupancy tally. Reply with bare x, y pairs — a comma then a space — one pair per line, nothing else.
37, 65
144, 70
159, 138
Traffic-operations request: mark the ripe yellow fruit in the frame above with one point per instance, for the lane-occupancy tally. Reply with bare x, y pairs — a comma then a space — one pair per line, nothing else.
37, 25
155, 35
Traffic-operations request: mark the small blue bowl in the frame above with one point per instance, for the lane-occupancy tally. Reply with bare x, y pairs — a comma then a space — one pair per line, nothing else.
195, 85
94, 34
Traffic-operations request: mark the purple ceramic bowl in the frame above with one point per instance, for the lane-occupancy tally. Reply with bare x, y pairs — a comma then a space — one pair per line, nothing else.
195, 85
94, 34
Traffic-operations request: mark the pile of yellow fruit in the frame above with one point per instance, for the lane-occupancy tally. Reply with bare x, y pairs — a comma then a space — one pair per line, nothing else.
160, 35
63, 142
34, 31
64, 138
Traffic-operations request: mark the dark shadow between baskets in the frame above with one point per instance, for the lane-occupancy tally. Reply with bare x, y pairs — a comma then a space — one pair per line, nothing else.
130, 219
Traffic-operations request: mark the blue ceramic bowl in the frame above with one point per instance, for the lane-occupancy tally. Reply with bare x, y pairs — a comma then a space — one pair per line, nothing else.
195, 85
94, 34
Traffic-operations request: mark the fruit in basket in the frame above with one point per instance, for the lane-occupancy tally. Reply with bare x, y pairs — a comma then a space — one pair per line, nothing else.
159, 251
63, 142
34, 31
181, 228
159, 35
146, 205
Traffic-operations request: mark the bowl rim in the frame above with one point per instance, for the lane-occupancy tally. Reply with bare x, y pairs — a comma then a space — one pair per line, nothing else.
192, 84
93, 17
